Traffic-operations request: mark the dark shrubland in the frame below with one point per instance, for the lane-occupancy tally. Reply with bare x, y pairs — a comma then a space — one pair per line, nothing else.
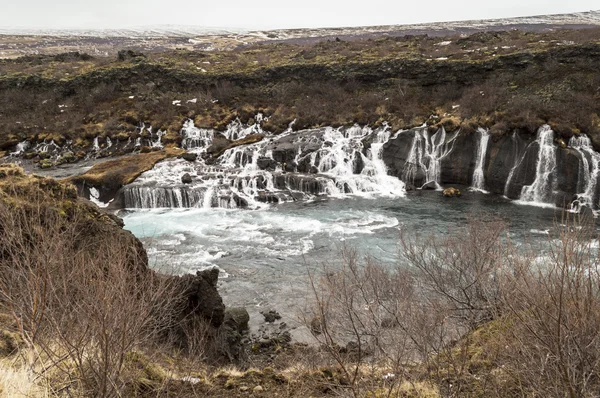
469, 313
504, 80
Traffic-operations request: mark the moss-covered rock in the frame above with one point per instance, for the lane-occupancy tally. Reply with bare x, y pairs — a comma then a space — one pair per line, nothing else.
451, 192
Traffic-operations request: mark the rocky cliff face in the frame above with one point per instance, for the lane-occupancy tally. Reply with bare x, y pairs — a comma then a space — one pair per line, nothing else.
544, 169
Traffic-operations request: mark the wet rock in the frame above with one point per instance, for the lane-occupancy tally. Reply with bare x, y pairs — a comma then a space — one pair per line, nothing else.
524, 174
563, 199
451, 192
265, 163
219, 143
271, 316
186, 178
67, 157
290, 166
267, 197
189, 156
395, 155
358, 163
568, 163
504, 152
586, 214
458, 166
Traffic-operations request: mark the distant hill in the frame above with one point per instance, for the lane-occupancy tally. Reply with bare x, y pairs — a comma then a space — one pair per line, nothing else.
15, 42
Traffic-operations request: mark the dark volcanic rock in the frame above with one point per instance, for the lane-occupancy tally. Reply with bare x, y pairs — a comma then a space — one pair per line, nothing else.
190, 157
201, 297
431, 185
237, 316
457, 167
503, 153
186, 178
396, 152
568, 163
265, 163
271, 316
299, 182
524, 174
219, 143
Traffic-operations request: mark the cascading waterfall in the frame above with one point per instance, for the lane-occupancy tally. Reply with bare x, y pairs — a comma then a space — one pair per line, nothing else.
46, 147
238, 180
590, 168
478, 175
195, 137
377, 167
427, 153
544, 185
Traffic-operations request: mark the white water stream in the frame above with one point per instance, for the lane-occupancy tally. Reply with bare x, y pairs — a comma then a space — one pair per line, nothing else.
478, 183
541, 191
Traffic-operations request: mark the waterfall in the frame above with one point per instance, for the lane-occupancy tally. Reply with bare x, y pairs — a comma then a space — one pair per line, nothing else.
426, 154
478, 175
543, 187
96, 145
249, 176
195, 137
515, 166
45, 147
21, 148
590, 168
377, 167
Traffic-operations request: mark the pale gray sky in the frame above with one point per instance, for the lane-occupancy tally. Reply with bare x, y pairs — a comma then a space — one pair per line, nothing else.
267, 14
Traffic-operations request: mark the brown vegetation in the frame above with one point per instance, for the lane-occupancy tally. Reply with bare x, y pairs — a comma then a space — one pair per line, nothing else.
502, 80
469, 313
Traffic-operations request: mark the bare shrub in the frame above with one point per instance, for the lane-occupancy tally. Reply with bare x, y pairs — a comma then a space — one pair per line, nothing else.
367, 319
462, 268
82, 297
555, 306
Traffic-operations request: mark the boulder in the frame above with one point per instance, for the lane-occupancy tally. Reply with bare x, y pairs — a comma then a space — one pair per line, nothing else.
290, 166
189, 156
451, 192
238, 317
219, 143
201, 298
186, 178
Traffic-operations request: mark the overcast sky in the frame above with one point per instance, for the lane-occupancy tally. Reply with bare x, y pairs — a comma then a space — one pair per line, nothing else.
267, 14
